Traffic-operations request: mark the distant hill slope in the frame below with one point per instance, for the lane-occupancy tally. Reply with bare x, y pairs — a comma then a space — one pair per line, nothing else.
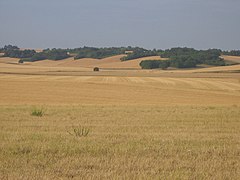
8, 60
234, 59
113, 62
131, 64
233, 68
85, 62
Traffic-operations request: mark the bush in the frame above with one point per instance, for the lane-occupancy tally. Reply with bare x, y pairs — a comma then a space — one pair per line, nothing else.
21, 61
39, 56
164, 64
96, 69
37, 112
150, 64
79, 131
183, 62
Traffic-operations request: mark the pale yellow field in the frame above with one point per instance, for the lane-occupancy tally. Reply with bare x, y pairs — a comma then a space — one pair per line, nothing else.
235, 59
132, 64
118, 90
234, 68
85, 62
6, 60
113, 62
144, 124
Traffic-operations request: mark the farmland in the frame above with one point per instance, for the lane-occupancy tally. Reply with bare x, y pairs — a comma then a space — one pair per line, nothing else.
144, 124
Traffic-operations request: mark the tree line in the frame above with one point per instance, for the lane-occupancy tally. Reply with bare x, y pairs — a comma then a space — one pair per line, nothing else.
32, 55
178, 57
185, 58
232, 53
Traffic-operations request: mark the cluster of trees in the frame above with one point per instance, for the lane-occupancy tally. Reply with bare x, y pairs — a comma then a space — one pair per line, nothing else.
8, 48
232, 53
52, 54
97, 53
19, 53
168, 53
177, 63
186, 58
154, 64
32, 55
100, 53
15, 52
178, 57
139, 53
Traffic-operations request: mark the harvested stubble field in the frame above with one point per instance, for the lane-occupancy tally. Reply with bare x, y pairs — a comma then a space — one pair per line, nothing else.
143, 124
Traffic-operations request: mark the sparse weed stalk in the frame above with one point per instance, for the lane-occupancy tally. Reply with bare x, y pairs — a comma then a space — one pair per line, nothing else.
38, 112
79, 131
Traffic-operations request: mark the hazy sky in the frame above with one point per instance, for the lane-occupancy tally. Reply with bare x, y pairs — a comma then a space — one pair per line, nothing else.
157, 24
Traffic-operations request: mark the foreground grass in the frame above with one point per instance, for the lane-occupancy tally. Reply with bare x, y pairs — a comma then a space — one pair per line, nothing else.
124, 142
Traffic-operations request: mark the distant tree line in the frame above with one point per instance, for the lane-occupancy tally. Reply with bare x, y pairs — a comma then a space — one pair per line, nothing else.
139, 53
32, 55
15, 52
100, 53
178, 57
19, 54
185, 58
97, 53
232, 53
52, 54
8, 47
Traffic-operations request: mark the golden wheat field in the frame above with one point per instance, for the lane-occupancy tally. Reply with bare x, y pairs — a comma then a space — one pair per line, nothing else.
61, 120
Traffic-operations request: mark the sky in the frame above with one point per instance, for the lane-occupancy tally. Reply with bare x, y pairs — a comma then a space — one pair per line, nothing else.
159, 24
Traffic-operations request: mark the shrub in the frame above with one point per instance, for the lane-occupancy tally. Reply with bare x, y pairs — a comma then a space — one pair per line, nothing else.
79, 131
21, 61
37, 112
150, 64
96, 69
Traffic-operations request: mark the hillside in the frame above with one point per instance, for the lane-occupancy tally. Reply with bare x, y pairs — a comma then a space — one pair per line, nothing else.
113, 62
8, 60
234, 59
131, 64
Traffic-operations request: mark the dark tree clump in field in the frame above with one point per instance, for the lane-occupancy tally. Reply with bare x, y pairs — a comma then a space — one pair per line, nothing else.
96, 69
56, 54
186, 58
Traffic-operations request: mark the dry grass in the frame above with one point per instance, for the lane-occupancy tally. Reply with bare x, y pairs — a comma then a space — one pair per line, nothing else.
219, 69
131, 64
113, 62
234, 59
143, 124
19, 89
85, 62
126, 142
6, 60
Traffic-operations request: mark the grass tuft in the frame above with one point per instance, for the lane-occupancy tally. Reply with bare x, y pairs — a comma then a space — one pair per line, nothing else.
39, 112
79, 131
